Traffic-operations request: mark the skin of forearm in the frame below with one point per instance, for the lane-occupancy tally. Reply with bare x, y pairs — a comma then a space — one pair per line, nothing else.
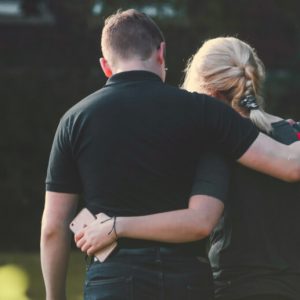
270, 157
55, 250
58, 212
288, 161
179, 226
190, 225
294, 159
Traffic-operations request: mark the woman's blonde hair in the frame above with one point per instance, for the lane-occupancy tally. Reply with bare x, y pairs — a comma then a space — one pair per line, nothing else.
229, 67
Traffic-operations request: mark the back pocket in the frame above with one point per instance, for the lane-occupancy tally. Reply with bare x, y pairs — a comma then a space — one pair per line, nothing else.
108, 288
200, 293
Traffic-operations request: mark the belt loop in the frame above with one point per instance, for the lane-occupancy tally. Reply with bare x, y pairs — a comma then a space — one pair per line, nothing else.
88, 261
158, 254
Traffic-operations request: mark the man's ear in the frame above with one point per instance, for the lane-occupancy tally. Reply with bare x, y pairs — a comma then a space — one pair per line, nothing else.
161, 53
105, 67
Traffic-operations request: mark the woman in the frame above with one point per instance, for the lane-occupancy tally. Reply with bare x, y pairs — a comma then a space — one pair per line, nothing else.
245, 263
255, 249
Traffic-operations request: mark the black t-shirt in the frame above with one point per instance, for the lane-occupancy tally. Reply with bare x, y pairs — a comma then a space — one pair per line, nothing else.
255, 248
131, 148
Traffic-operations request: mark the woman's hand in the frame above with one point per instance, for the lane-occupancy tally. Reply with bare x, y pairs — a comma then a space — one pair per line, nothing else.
96, 236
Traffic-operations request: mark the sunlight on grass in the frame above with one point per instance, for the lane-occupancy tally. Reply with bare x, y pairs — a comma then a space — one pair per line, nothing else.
21, 276
14, 283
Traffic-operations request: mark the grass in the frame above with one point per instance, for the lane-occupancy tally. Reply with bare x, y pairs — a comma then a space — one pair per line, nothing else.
21, 277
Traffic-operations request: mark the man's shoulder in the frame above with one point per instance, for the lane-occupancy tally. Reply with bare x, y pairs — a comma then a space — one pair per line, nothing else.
84, 106
185, 95
102, 98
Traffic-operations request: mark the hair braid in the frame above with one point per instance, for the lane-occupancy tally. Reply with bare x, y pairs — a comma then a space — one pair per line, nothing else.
229, 67
253, 88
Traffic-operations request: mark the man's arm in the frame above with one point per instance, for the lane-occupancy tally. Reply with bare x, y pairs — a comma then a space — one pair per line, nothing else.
179, 226
238, 138
273, 158
55, 241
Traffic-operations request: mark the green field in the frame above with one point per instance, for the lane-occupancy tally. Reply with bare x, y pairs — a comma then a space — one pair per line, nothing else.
21, 277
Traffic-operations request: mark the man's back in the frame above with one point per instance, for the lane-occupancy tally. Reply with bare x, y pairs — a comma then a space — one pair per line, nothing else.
135, 144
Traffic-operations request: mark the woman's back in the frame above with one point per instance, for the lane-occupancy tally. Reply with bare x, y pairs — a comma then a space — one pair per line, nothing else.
255, 251
255, 248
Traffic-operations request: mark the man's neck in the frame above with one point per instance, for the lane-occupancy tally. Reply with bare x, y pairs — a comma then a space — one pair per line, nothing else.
137, 66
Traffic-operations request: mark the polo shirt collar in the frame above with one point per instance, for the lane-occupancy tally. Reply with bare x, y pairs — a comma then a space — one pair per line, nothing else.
133, 76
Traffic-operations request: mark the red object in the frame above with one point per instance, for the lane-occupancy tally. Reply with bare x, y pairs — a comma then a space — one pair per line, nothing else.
298, 135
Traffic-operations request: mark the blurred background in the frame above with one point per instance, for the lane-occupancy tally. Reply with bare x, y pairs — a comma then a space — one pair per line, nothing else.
49, 52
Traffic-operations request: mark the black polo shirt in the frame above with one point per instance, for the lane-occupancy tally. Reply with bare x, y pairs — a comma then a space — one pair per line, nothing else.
131, 148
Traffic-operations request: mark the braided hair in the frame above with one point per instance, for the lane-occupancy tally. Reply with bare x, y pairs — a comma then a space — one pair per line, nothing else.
229, 68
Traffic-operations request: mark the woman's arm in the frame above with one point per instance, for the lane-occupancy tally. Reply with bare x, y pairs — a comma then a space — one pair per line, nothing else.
179, 226
185, 225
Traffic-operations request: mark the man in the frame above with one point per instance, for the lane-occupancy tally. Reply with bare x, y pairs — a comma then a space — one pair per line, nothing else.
131, 149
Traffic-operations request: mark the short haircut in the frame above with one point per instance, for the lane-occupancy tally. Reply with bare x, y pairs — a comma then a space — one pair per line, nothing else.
127, 34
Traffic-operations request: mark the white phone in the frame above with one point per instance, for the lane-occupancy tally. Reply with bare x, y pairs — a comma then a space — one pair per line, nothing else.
82, 220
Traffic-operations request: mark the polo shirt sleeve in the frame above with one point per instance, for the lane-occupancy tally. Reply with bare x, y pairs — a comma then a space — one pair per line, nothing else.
212, 176
224, 128
62, 172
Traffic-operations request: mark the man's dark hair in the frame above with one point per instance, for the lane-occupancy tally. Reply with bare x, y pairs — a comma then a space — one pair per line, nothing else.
128, 34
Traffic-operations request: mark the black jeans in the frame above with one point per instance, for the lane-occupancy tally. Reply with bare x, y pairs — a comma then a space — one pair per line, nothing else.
262, 297
266, 297
149, 274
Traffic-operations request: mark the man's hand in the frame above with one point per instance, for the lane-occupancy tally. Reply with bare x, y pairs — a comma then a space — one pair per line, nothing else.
97, 235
